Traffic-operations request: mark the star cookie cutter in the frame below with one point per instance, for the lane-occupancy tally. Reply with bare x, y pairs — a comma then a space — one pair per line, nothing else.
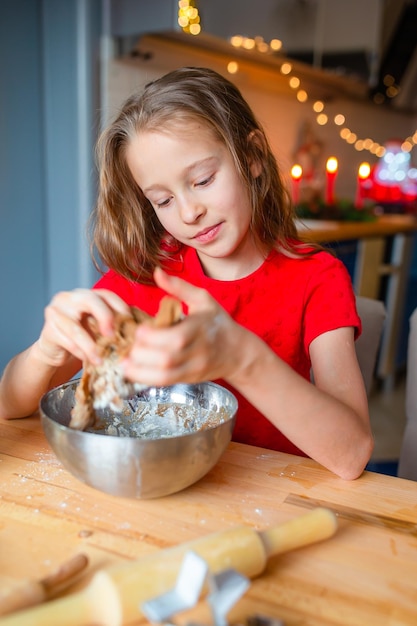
224, 590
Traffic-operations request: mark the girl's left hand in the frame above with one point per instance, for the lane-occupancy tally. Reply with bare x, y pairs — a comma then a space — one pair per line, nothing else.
203, 346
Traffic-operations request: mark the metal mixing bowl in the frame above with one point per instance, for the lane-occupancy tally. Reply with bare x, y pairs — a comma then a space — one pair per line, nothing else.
142, 467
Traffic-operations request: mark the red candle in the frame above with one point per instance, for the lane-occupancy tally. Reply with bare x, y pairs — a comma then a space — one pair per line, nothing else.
331, 173
296, 174
363, 174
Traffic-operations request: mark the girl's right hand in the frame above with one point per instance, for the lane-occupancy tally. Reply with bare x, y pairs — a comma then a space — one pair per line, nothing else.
65, 331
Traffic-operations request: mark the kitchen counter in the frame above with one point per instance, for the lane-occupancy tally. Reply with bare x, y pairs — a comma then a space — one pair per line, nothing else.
333, 230
366, 574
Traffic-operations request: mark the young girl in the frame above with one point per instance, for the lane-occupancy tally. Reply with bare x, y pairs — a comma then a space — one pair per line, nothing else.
191, 203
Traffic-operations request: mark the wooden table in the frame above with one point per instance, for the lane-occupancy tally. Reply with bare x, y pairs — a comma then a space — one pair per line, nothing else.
366, 574
334, 230
384, 252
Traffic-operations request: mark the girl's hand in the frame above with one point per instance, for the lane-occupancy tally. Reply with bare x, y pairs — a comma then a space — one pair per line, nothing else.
200, 347
65, 332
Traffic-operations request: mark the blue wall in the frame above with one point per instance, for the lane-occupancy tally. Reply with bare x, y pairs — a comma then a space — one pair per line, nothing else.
23, 253
49, 121
49, 59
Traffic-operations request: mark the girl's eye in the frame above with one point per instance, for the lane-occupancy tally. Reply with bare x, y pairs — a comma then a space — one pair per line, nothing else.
206, 181
162, 203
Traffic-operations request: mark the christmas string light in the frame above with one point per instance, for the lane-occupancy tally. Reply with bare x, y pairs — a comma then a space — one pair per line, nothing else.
189, 21
188, 17
322, 118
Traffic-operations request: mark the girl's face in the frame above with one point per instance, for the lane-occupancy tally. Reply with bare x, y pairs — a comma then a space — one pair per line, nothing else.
192, 183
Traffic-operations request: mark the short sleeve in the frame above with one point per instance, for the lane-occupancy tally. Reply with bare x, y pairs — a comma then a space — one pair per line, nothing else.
330, 299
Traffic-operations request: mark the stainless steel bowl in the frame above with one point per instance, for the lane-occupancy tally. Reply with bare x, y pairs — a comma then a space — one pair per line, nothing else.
142, 467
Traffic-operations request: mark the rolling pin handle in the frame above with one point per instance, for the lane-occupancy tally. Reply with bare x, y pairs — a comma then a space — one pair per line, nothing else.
316, 525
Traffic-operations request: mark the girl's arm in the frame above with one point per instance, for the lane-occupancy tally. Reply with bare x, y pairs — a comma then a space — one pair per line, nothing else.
58, 353
329, 420
26, 378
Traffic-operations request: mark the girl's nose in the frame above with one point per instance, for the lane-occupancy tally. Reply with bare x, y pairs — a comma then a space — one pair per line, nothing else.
191, 210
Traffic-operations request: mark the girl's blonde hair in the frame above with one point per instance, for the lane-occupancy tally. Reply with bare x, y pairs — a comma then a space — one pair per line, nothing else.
126, 231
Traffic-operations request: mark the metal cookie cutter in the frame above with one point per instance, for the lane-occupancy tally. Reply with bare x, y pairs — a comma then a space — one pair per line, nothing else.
225, 589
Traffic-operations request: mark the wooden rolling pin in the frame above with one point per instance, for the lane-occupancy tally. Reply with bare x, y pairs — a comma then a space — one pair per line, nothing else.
115, 594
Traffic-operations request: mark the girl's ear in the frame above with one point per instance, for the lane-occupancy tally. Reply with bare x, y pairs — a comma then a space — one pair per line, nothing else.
257, 150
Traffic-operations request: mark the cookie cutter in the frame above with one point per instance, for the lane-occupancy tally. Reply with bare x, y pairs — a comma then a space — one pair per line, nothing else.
224, 590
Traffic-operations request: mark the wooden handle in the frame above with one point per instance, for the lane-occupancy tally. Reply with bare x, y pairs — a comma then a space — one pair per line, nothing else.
315, 526
115, 595
64, 575
32, 592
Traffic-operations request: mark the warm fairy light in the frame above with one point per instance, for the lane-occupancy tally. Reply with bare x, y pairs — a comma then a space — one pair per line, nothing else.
232, 67
296, 172
286, 68
188, 17
368, 144
276, 44
248, 43
188, 10
302, 95
364, 170
392, 91
339, 119
378, 98
236, 41
262, 46
195, 29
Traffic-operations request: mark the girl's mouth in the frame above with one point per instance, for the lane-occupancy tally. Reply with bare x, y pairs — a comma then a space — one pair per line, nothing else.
207, 235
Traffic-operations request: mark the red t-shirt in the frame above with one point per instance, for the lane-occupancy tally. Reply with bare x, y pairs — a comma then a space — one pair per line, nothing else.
287, 302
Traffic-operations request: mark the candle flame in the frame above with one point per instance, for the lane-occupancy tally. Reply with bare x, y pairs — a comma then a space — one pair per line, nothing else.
296, 172
364, 170
332, 165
